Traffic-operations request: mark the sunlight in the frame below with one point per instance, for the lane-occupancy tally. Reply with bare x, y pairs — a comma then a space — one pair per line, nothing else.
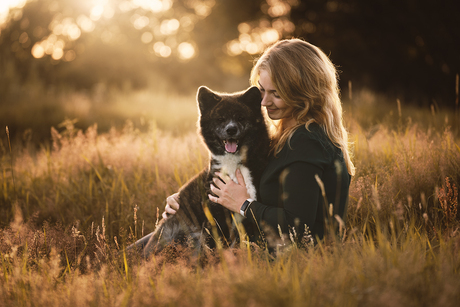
70, 55
233, 48
170, 31
57, 54
86, 24
66, 27
163, 28
244, 27
96, 12
269, 36
202, 8
253, 48
254, 39
186, 51
161, 49
146, 37
139, 22
50, 46
38, 51
154, 6
169, 27
6, 5
186, 23
125, 6
278, 8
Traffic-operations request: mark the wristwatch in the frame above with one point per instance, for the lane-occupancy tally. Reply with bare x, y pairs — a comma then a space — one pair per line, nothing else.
245, 206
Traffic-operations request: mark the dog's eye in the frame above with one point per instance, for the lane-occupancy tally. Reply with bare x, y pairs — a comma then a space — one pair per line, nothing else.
221, 119
240, 119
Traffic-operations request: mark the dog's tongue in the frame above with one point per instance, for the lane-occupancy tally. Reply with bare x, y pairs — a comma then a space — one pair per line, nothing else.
231, 146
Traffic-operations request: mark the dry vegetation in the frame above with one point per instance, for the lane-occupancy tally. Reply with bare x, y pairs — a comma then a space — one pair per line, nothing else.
68, 209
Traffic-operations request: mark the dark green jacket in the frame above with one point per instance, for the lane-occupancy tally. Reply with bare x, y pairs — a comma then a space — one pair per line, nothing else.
289, 190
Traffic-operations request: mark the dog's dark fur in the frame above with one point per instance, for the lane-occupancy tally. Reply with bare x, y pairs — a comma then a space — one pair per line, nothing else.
225, 120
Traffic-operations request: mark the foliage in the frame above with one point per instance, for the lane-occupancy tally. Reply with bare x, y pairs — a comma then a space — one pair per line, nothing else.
405, 48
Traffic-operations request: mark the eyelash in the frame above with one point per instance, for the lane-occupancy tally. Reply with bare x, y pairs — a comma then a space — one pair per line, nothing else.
274, 94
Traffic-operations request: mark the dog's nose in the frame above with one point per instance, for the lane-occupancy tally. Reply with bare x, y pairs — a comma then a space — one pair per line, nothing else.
232, 130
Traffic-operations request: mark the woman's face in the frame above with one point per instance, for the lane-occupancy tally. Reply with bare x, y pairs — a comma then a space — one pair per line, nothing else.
276, 107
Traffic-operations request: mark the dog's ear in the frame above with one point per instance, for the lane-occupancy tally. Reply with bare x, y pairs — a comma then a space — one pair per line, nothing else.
206, 99
252, 98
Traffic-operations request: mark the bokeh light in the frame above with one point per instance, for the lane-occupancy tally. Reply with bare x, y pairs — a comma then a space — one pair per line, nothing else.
169, 27
255, 37
146, 37
57, 53
6, 6
278, 8
139, 22
166, 34
85, 23
186, 51
70, 55
154, 6
96, 12
38, 51
162, 50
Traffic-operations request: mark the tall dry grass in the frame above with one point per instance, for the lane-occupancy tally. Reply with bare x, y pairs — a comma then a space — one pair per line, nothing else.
75, 204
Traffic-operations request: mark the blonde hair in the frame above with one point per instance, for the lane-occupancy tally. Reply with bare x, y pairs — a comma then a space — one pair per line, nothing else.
306, 80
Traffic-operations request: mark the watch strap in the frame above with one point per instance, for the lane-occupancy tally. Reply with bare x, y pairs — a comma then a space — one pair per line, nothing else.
245, 206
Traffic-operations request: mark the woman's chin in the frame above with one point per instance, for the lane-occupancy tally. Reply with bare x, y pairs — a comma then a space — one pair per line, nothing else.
273, 115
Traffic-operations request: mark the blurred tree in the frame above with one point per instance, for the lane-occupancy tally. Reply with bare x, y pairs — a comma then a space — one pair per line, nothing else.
80, 43
403, 48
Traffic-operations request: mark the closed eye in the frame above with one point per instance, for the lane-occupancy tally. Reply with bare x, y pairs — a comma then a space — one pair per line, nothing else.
261, 89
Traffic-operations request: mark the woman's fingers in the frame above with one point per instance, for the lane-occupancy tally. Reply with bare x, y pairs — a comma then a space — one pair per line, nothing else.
217, 183
173, 202
215, 190
239, 177
213, 198
170, 210
218, 179
172, 205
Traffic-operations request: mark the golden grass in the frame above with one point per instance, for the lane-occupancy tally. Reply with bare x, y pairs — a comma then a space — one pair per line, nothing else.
69, 213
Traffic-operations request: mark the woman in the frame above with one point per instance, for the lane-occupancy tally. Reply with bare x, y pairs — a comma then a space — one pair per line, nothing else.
309, 146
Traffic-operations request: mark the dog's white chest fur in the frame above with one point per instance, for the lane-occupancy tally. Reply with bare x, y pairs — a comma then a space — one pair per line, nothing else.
228, 164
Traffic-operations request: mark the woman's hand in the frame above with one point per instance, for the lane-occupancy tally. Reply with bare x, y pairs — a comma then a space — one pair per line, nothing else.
172, 205
231, 195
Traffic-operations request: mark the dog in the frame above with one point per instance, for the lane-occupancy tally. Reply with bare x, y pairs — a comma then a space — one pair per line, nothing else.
233, 128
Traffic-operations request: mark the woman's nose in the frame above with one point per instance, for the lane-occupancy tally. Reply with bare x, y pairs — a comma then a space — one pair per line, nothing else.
264, 100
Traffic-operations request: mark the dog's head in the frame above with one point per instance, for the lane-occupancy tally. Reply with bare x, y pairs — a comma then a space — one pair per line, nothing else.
226, 120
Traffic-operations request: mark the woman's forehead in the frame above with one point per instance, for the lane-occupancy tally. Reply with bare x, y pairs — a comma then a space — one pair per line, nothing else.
265, 80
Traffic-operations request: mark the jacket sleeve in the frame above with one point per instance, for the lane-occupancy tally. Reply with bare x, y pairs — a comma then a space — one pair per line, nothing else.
300, 193
299, 190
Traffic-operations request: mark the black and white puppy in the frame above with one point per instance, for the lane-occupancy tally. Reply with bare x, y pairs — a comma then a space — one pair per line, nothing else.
233, 129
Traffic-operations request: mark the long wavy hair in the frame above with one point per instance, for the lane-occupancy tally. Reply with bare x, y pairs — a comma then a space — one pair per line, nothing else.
305, 78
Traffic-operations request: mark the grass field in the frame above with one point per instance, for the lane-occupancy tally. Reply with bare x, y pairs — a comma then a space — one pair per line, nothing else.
70, 202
